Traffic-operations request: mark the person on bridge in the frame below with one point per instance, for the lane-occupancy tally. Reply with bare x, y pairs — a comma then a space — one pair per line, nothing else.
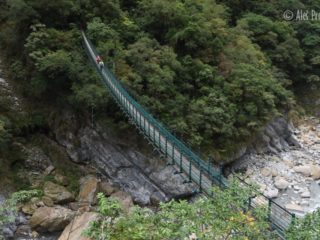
98, 59
101, 64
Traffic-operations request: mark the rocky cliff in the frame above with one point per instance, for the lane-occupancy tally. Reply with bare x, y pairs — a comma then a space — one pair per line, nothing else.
146, 177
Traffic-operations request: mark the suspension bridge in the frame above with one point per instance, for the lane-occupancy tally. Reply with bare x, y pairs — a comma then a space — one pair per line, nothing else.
202, 173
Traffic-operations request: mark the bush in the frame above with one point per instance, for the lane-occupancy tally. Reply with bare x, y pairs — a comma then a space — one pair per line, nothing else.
11, 204
306, 228
222, 217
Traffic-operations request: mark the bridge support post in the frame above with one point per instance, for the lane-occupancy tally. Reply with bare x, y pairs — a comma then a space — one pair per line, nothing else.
293, 219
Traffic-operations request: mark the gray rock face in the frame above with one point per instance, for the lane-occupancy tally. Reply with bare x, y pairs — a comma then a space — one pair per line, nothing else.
277, 137
141, 176
36, 159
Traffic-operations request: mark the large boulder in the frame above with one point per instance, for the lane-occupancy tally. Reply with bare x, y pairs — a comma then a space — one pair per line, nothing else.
274, 172
315, 172
23, 232
281, 183
266, 172
167, 179
89, 187
80, 207
49, 170
271, 193
47, 201
51, 219
106, 188
57, 193
63, 180
30, 207
294, 208
306, 194
75, 229
305, 170
124, 198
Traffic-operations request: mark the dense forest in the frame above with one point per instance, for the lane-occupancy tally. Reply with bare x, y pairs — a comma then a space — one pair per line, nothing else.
214, 72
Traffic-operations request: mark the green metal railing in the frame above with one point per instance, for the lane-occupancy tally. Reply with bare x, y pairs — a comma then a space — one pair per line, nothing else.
204, 174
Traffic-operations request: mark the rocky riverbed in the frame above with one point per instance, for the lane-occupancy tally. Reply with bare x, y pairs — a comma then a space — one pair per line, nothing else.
291, 177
